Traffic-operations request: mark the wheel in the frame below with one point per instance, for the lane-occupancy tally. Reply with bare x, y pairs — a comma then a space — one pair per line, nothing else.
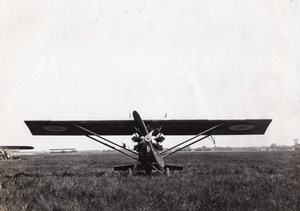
148, 170
130, 172
168, 172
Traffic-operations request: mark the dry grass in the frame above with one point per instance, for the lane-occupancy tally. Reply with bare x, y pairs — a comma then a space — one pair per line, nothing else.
210, 181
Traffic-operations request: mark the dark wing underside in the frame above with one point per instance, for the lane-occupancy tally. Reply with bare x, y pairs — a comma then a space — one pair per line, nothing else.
16, 147
169, 127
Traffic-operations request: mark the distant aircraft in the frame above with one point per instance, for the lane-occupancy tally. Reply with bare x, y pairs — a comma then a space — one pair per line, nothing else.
148, 136
63, 150
5, 151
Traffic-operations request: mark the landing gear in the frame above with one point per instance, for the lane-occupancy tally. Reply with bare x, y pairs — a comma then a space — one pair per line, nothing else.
130, 172
148, 170
167, 170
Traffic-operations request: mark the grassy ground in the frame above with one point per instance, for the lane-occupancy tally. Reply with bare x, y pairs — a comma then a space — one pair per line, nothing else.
210, 181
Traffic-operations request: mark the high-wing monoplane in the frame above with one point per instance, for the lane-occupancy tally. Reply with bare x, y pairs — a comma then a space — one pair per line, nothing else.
6, 151
149, 135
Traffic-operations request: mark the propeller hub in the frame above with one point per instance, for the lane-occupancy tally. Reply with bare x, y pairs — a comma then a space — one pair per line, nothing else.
148, 138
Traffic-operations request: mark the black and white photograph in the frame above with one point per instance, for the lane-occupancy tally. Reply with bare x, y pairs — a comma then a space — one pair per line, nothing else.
149, 105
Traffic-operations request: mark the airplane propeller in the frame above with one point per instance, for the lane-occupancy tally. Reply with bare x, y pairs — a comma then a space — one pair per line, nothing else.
147, 138
140, 123
157, 155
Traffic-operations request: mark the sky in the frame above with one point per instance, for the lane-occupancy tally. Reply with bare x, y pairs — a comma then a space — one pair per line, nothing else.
93, 60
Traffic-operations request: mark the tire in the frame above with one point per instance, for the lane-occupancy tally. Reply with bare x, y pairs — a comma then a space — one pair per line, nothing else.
130, 172
168, 172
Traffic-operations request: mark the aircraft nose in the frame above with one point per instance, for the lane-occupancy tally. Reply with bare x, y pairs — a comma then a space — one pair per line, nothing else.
148, 138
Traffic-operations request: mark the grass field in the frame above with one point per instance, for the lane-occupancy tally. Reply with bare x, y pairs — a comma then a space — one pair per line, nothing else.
210, 181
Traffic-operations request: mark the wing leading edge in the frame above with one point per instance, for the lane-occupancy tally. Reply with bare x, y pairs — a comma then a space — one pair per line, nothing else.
16, 147
169, 127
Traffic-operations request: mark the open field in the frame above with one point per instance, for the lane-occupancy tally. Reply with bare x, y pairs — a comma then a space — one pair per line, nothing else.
210, 181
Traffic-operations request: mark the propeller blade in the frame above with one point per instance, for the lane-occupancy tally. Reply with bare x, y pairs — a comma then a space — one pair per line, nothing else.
140, 123
147, 138
157, 156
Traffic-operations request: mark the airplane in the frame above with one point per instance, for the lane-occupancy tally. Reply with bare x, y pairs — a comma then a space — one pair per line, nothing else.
148, 135
63, 150
5, 151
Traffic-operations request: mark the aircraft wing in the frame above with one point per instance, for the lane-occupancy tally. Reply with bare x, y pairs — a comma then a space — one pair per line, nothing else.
16, 147
169, 127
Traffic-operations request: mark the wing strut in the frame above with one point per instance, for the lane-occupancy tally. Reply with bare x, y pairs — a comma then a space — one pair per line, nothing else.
186, 146
111, 147
208, 130
95, 134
